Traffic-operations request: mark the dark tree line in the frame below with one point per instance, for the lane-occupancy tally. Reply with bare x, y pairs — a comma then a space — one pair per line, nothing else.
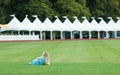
51, 8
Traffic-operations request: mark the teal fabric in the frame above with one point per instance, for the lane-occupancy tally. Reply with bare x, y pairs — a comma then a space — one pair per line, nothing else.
38, 61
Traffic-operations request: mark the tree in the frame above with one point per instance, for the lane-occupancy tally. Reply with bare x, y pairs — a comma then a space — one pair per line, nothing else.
4, 10
42, 8
51, 8
4, 2
71, 8
104, 8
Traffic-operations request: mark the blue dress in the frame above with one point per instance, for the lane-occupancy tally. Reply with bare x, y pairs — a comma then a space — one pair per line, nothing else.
38, 61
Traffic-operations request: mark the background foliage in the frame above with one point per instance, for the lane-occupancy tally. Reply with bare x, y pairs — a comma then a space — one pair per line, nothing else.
51, 8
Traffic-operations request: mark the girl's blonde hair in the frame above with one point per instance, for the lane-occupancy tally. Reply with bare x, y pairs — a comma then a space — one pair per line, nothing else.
46, 55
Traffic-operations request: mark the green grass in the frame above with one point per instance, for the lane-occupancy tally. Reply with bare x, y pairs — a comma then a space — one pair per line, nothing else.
75, 57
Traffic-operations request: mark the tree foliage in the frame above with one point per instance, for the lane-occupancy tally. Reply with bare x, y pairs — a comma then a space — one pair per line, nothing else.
51, 8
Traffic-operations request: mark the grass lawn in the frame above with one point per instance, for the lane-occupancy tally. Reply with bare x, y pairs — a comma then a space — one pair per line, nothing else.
75, 57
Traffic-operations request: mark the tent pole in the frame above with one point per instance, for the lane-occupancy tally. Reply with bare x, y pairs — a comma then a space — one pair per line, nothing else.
41, 37
51, 36
61, 35
98, 35
71, 34
18, 32
115, 34
107, 35
29, 32
44, 35
81, 37
89, 34
54, 35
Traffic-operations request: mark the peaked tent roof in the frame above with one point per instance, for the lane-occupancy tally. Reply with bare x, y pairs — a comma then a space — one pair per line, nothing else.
14, 24
95, 26
49, 25
103, 25
77, 23
29, 26
85, 25
69, 26
112, 24
37, 23
59, 24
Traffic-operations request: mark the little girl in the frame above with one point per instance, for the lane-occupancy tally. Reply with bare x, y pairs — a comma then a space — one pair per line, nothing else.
44, 59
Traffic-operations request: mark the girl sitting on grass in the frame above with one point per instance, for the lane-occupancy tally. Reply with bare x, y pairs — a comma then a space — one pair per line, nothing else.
44, 59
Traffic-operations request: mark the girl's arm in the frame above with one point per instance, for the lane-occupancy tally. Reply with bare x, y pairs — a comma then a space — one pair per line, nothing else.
47, 60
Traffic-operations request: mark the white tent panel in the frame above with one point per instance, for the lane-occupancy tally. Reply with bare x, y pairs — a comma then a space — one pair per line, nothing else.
59, 25
112, 24
103, 25
78, 24
38, 24
86, 25
49, 25
29, 26
95, 26
69, 26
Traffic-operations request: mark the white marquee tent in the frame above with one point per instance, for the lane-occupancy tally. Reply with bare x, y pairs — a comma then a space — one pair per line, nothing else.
111, 28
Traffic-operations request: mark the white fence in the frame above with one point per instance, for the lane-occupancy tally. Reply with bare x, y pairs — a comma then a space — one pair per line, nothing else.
18, 37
